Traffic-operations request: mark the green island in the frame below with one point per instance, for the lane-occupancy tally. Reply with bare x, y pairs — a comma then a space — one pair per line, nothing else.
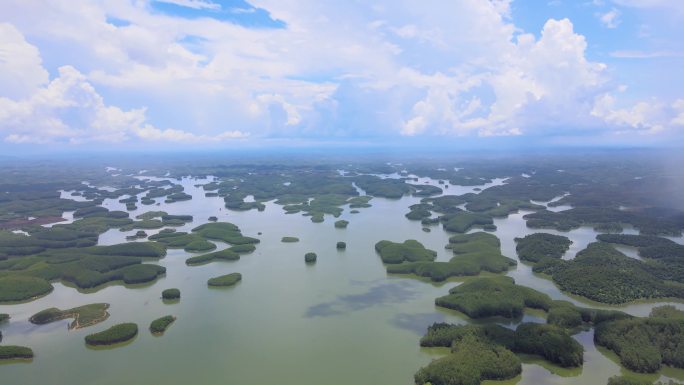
225, 280
602, 217
548, 341
159, 326
116, 334
462, 221
473, 253
171, 294
341, 245
645, 344
502, 297
22, 288
310, 257
225, 232
408, 251
289, 240
537, 246
341, 224
604, 274
198, 239
83, 316
13, 352
471, 361
28, 277
156, 220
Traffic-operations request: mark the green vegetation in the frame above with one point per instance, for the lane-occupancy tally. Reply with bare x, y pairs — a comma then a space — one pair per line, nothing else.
537, 246
147, 224
601, 217
500, 296
425, 190
667, 311
24, 278
22, 288
83, 316
604, 274
359, 202
243, 249
225, 255
471, 361
10, 352
496, 296
341, 245
616, 380
341, 224
4, 317
411, 251
177, 197
310, 257
171, 294
115, 334
225, 280
159, 326
197, 240
379, 187
462, 221
473, 253
548, 341
189, 242
644, 344
224, 231
289, 239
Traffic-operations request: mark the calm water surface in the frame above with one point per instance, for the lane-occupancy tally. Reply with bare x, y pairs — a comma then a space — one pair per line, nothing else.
341, 321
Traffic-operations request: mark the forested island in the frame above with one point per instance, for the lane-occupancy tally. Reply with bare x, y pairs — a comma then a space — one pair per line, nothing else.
116, 334
83, 316
159, 326
225, 280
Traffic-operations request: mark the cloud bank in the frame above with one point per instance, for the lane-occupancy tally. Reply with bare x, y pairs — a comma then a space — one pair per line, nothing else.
130, 71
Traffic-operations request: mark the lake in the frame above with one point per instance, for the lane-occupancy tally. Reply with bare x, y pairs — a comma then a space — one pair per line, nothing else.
340, 321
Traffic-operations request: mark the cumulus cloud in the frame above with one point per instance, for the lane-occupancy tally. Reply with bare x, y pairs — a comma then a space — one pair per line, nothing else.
551, 71
69, 109
335, 69
644, 117
21, 69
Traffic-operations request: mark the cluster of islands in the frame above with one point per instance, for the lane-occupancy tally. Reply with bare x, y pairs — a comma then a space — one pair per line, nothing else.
637, 255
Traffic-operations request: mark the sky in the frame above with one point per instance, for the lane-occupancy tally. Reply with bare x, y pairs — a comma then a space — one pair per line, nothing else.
78, 74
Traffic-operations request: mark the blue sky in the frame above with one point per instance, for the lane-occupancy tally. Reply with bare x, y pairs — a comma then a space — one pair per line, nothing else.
206, 73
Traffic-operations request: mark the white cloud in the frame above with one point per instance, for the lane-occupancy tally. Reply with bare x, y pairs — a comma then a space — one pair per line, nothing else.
21, 70
678, 107
397, 67
69, 110
551, 71
195, 4
611, 19
643, 117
